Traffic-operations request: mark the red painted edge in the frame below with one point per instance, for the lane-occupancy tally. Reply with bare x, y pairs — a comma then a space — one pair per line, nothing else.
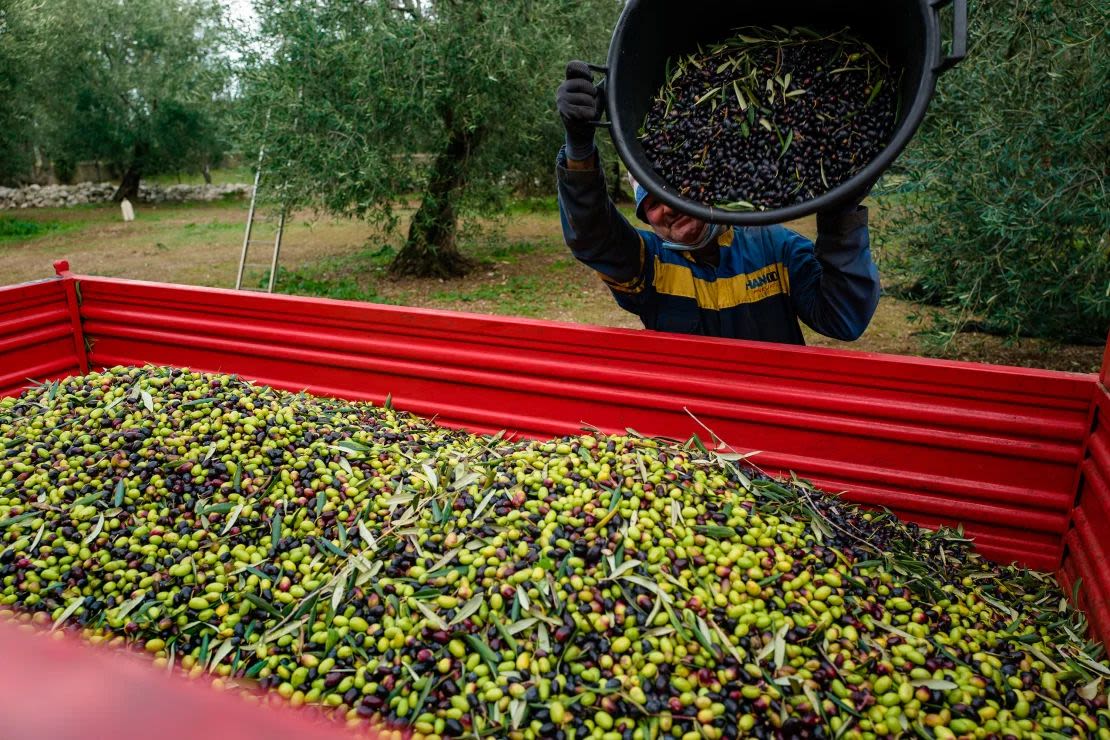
61, 267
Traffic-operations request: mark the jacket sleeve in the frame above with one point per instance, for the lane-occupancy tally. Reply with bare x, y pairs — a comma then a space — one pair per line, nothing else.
600, 237
834, 284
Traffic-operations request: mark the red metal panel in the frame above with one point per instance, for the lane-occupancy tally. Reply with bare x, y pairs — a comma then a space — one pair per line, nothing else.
1079, 567
1088, 556
993, 447
36, 335
63, 689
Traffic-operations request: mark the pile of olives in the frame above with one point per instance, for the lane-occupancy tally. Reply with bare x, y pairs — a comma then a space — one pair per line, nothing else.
390, 571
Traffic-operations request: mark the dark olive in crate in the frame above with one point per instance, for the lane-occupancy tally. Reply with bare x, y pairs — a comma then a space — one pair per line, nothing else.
771, 117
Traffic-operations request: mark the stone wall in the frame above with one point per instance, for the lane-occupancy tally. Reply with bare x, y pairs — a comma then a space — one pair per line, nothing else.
55, 196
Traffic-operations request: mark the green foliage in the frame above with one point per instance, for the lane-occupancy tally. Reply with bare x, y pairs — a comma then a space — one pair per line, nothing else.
361, 102
334, 277
141, 84
1011, 226
20, 230
16, 103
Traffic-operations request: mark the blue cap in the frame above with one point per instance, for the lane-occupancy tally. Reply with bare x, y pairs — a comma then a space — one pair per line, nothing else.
641, 195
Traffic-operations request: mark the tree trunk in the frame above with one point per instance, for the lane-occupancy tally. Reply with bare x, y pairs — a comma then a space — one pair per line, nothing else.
430, 250
129, 185
207, 172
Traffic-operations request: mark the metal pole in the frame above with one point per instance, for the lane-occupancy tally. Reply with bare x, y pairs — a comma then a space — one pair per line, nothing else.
250, 221
277, 249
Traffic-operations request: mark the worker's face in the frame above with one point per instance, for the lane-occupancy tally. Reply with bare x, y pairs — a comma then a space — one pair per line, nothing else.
672, 225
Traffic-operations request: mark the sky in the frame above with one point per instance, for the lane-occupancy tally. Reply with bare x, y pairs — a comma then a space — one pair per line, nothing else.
240, 10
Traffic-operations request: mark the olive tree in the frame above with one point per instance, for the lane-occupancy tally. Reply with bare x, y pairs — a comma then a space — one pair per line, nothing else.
139, 84
1009, 225
17, 90
362, 104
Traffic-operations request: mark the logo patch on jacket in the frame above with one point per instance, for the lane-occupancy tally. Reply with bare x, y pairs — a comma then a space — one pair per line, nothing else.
722, 293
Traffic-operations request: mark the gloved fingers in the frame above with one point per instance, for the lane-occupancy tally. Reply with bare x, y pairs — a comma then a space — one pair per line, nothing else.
579, 70
579, 113
578, 87
578, 100
569, 103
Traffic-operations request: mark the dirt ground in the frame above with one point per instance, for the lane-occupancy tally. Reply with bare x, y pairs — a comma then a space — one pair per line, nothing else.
195, 244
523, 269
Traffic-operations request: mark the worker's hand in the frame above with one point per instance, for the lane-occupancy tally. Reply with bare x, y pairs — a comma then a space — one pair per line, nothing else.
579, 103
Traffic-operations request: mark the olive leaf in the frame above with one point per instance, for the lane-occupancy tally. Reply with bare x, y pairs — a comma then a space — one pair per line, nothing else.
444, 560
934, 684
95, 531
485, 502
434, 619
522, 596
275, 528
616, 572
430, 474
472, 605
68, 612
516, 628
780, 645
282, 631
367, 536
121, 489
128, 606
226, 646
38, 538
518, 708
484, 650
337, 594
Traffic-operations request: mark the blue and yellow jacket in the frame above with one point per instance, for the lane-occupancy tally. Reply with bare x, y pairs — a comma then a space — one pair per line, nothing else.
767, 278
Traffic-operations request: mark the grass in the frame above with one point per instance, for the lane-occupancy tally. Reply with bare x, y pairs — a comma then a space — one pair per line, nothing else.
23, 230
533, 204
519, 295
511, 251
335, 277
305, 282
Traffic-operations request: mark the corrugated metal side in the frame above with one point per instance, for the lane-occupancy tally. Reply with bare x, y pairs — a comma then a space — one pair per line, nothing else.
1088, 542
995, 448
36, 335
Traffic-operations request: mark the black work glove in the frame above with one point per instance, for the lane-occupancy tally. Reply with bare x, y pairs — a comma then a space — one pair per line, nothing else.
579, 103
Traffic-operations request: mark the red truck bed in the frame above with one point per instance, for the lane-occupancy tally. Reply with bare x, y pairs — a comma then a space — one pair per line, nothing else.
1020, 457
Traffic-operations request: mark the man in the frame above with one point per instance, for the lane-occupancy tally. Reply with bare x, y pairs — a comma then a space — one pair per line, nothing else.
693, 277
